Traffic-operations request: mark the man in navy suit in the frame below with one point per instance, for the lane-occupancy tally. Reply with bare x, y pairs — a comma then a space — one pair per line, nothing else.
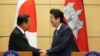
63, 40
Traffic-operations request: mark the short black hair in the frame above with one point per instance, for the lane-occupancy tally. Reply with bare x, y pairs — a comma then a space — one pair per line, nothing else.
57, 13
22, 18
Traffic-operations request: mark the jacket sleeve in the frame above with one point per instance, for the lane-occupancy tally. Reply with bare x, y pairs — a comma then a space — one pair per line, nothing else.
65, 39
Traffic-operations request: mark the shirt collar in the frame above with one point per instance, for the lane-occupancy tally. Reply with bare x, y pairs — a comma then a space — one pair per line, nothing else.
21, 29
59, 26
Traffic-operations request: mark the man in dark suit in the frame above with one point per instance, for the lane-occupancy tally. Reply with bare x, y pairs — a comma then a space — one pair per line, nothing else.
18, 40
63, 40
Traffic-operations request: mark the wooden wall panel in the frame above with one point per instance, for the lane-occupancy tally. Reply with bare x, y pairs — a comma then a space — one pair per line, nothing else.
42, 1
94, 43
57, 1
93, 19
7, 15
8, 1
44, 42
91, 1
43, 20
4, 44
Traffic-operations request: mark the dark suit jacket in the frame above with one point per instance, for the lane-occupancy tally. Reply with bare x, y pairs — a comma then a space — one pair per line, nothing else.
18, 42
63, 44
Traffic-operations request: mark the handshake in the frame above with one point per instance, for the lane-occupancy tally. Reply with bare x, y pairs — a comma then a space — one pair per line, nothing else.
43, 53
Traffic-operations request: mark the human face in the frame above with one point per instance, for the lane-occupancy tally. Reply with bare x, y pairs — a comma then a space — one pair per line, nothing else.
26, 25
54, 21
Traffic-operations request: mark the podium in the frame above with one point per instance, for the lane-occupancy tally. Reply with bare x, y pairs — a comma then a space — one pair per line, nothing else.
78, 53
21, 53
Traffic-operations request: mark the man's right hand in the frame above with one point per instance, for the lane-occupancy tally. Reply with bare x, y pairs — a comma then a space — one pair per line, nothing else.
43, 53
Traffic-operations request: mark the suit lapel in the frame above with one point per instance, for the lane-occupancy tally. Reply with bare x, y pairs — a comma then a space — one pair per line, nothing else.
57, 38
22, 35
